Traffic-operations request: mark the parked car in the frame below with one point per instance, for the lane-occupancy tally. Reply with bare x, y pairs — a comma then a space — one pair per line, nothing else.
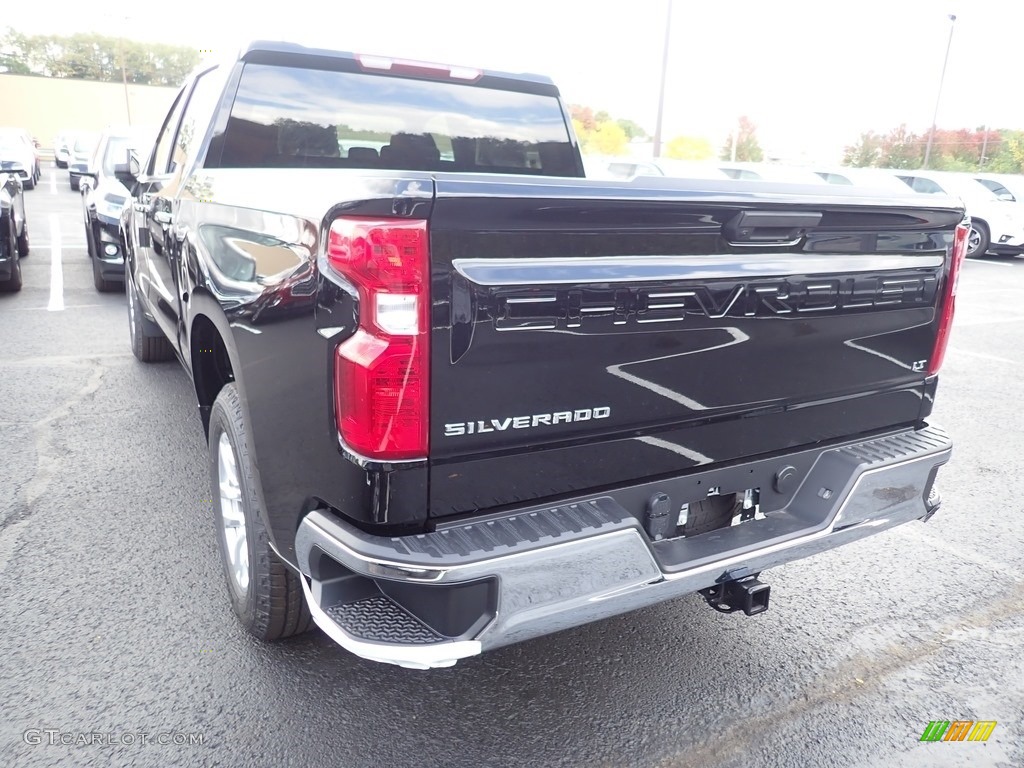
626, 168
14, 244
18, 159
454, 404
783, 174
865, 178
32, 156
81, 154
996, 225
1005, 186
62, 148
103, 197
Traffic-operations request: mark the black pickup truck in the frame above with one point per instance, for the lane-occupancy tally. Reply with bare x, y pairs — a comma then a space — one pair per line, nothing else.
456, 395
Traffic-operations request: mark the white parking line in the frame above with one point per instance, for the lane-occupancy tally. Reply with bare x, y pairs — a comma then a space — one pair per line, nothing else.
989, 263
982, 355
69, 306
56, 269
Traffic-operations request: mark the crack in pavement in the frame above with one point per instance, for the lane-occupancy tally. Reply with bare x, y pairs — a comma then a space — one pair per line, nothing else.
48, 457
50, 360
850, 680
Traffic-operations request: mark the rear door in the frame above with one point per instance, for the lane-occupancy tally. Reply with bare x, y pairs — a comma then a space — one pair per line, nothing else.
178, 149
590, 334
151, 217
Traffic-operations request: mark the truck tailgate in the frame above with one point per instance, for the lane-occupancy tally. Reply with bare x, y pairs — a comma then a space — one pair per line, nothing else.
586, 335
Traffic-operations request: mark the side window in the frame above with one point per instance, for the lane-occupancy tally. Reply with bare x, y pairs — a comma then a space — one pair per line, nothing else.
201, 105
926, 186
998, 189
162, 154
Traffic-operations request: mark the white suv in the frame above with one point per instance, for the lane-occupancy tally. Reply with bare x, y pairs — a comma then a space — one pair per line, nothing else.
996, 225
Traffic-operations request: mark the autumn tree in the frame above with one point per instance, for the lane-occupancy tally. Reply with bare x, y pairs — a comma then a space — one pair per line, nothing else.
747, 147
866, 152
599, 133
963, 149
689, 148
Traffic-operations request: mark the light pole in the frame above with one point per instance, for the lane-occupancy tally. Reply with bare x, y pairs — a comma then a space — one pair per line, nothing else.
664, 72
124, 79
938, 96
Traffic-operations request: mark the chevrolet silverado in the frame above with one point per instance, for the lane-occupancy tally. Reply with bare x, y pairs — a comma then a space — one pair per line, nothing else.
456, 395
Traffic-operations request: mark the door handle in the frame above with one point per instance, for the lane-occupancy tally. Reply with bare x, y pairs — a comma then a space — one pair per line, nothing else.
162, 217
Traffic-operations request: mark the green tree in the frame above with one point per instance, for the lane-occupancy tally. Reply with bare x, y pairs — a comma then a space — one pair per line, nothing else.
91, 56
747, 147
633, 131
1008, 154
867, 152
689, 148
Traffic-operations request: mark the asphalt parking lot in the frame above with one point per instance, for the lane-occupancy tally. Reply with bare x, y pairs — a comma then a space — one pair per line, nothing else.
116, 620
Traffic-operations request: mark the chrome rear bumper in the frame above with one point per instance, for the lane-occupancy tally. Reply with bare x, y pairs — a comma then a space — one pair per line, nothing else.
431, 599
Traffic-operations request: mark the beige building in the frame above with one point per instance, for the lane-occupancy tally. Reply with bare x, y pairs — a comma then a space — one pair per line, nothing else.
46, 106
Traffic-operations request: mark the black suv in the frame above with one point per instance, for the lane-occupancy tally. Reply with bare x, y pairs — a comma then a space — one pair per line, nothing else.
103, 197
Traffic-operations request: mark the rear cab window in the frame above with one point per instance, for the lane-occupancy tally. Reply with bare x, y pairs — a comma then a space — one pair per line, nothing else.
293, 117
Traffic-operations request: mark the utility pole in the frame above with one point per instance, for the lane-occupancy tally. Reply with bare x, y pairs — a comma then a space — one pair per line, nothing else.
124, 79
938, 97
664, 73
122, 28
984, 147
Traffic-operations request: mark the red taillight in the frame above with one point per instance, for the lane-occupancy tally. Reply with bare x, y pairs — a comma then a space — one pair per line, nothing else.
949, 299
381, 372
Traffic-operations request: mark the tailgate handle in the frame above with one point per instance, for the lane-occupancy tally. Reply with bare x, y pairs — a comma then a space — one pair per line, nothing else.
753, 228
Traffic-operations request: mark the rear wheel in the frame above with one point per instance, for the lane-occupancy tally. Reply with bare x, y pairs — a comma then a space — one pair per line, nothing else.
103, 285
73, 182
977, 240
10, 249
149, 344
23, 241
30, 183
265, 594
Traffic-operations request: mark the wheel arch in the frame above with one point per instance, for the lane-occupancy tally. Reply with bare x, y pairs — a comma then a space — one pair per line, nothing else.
212, 356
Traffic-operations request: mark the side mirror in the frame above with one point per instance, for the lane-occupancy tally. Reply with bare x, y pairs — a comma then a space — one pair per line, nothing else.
129, 171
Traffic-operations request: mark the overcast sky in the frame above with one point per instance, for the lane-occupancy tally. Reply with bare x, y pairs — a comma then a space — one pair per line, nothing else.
809, 73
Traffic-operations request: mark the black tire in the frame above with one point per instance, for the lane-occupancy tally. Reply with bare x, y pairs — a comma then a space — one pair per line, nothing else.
73, 182
90, 246
29, 183
982, 239
23, 245
14, 282
102, 285
271, 606
149, 345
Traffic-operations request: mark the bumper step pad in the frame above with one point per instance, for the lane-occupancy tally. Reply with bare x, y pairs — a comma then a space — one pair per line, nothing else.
381, 620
